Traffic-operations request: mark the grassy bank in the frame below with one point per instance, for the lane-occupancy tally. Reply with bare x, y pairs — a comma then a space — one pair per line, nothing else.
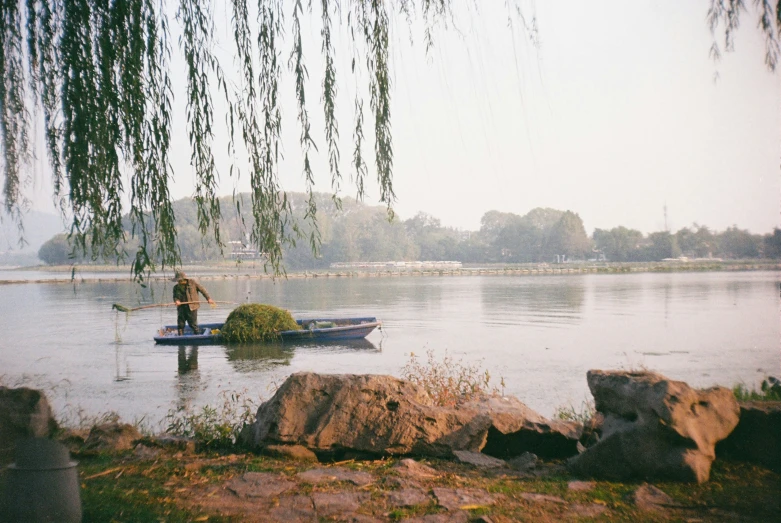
174, 485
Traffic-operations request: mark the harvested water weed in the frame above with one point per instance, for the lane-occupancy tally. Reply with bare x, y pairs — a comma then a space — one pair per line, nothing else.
255, 322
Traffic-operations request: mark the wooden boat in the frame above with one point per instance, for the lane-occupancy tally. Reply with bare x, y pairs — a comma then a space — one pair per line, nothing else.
312, 329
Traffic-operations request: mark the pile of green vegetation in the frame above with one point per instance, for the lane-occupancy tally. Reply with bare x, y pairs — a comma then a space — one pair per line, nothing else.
257, 322
770, 390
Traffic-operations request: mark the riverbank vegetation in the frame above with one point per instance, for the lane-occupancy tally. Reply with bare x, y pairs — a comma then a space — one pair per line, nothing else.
359, 232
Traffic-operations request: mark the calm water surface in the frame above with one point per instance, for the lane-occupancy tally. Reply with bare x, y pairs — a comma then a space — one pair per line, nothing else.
541, 333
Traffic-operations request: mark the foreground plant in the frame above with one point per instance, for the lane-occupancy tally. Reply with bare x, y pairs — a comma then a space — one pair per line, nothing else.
448, 381
214, 427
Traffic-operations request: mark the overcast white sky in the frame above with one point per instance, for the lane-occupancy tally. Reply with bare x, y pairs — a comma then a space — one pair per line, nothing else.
614, 116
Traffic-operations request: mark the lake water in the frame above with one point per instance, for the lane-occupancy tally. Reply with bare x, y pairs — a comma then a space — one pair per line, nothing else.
540, 333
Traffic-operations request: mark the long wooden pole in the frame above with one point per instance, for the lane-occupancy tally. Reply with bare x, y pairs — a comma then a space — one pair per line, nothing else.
122, 308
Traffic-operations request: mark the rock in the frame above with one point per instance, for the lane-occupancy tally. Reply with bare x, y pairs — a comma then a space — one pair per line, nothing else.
316, 476
383, 415
655, 428
515, 429
294, 508
259, 485
24, 413
541, 498
524, 462
462, 498
458, 516
757, 438
649, 498
478, 459
112, 436
581, 486
329, 504
172, 442
295, 452
591, 510
407, 497
367, 413
415, 470
143, 452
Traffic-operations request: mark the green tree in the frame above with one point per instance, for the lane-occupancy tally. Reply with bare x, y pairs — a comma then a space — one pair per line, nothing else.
739, 244
619, 244
568, 237
56, 251
772, 244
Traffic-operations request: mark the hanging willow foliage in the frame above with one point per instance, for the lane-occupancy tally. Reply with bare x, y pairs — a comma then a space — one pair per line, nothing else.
99, 73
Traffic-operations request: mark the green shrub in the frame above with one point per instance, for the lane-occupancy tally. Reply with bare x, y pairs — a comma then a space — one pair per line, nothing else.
257, 322
770, 390
569, 413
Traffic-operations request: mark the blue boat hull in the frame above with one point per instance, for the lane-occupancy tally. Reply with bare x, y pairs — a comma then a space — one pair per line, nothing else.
314, 329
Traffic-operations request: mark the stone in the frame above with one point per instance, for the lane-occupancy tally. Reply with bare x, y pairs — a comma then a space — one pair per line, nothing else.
382, 415
655, 428
173, 442
541, 498
294, 452
408, 497
300, 509
462, 498
415, 470
112, 436
143, 452
524, 462
259, 485
24, 413
515, 429
330, 475
590, 510
581, 486
329, 504
757, 438
459, 516
478, 459
649, 498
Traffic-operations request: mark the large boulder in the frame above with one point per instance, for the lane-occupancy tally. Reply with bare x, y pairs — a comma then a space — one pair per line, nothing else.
757, 438
655, 428
24, 413
515, 429
384, 415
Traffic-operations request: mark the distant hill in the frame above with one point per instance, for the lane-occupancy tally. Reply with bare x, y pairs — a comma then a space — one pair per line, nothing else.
38, 228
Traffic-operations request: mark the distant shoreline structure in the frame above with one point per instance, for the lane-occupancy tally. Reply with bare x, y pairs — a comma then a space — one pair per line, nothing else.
398, 265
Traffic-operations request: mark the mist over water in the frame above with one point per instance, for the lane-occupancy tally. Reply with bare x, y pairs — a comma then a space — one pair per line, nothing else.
540, 333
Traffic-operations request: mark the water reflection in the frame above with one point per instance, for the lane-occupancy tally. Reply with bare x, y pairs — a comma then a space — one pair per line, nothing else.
251, 357
550, 301
188, 383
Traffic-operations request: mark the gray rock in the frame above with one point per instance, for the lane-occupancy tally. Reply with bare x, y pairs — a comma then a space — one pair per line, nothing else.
338, 503
24, 413
330, 475
294, 452
478, 459
415, 470
590, 510
581, 486
143, 452
459, 516
300, 509
367, 413
524, 462
655, 427
259, 485
515, 429
456, 498
649, 498
408, 497
541, 498
757, 438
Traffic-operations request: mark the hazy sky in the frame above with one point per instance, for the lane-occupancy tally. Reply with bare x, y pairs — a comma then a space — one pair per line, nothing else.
614, 115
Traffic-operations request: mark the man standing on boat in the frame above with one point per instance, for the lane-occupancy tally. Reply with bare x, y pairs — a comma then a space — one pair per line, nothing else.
186, 298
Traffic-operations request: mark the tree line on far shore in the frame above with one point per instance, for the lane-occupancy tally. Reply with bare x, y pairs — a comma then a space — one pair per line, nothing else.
359, 232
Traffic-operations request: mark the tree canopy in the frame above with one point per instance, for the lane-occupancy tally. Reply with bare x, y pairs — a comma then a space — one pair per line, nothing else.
98, 73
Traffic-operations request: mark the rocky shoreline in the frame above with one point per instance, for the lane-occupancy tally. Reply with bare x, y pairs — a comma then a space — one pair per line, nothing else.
376, 448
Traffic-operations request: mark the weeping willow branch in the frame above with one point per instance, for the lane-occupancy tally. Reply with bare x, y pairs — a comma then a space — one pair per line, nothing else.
98, 74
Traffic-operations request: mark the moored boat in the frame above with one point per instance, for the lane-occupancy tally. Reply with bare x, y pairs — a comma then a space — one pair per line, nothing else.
312, 329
